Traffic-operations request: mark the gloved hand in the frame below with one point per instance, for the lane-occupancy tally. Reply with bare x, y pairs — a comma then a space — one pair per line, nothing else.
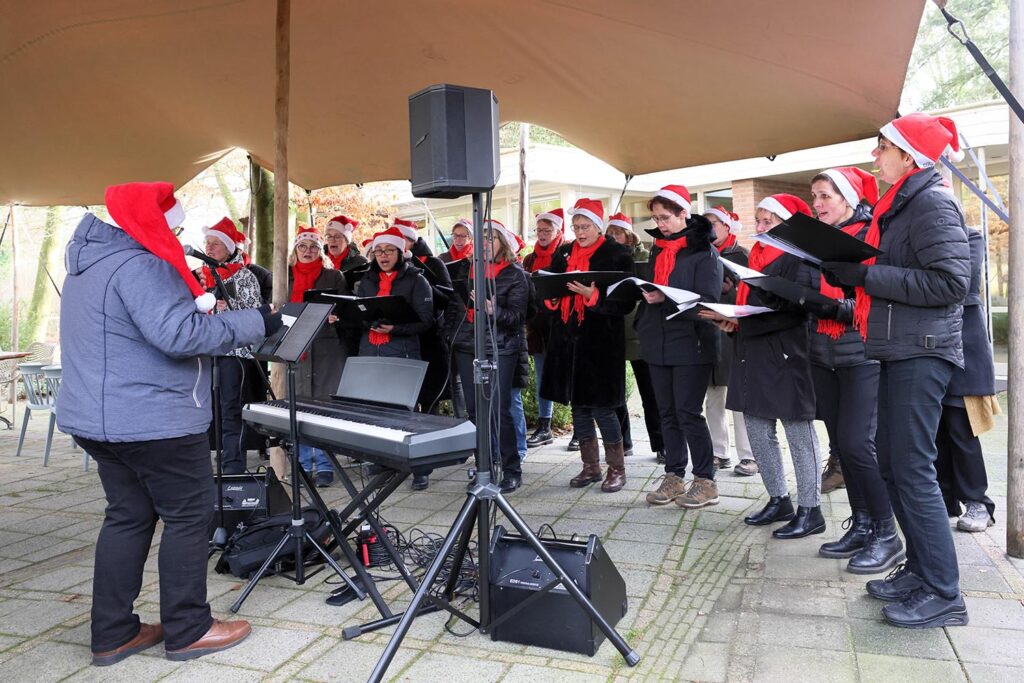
839, 273
271, 320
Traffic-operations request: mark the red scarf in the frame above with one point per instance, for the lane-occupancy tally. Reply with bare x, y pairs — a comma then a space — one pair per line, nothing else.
729, 241
337, 260
225, 271
423, 259
458, 254
305, 275
542, 255
666, 258
386, 280
863, 306
760, 258
833, 328
579, 259
493, 270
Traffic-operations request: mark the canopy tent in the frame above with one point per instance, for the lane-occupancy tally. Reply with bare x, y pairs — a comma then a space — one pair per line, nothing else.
108, 91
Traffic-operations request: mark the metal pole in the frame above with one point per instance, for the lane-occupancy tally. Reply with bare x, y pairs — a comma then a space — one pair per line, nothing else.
524, 181
481, 373
982, 159
1015, 374
14, 285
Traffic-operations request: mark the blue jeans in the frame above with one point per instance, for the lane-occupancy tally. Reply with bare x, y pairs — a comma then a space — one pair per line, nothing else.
519, 418
307, 454
909, 408
545, 408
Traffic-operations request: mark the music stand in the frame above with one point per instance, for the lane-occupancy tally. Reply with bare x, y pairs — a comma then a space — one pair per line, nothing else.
287, 346
478, 506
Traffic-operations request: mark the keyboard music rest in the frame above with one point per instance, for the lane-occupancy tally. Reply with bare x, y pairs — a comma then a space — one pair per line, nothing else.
389, 437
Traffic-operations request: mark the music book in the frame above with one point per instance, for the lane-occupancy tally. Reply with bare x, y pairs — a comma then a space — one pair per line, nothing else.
550, 285
455, 266
352, 311
789, 290
354, 275
816, 241
302, 322
735, 310
631, 287
319, 296
741, 271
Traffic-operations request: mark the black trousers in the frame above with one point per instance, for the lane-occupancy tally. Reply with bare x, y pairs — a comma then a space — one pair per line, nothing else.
910, 396
501, 407
680, 391
652, 419
166, 479
588, 420
847, 401
231, 372
960, 464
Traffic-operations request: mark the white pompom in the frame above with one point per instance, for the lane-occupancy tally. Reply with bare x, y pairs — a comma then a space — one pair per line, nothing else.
205, 302
954, 156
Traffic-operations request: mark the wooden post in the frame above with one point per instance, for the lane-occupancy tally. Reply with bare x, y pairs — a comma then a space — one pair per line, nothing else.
525, 215
14, 278
282, 59
1015, 374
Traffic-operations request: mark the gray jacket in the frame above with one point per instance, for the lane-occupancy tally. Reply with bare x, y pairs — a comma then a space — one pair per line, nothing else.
132, 342
919, 282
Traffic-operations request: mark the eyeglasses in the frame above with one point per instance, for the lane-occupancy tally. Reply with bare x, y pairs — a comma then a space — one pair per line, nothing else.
307, 246
385, 251
883, 146
334, 237
584, 228
460, 235
545, 231
658, 220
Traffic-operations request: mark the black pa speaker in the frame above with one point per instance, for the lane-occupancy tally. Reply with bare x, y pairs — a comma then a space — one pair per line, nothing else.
249, 498
554, 620
453, 137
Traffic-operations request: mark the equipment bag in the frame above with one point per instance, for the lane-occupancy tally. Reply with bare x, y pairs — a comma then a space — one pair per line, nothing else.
250, 546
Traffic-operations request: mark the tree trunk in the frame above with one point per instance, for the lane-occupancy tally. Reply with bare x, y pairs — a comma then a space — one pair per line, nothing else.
525, 215
263, 215
43, 286
229, 199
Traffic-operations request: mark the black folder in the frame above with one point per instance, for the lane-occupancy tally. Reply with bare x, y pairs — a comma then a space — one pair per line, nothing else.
819, 240
353, 311
789, 290
319, 296
461, 288
555, 285
354, 275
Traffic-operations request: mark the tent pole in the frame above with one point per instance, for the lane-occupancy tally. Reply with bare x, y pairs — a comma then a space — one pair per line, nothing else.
282, 60
14, 280
1015, 374
525, 215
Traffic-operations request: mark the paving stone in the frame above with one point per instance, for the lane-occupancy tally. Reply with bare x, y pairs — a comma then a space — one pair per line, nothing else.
58, 580
988, 673
527, 673
987, 645
828, 602
635, 552
207, 670
354, 660
46, 662
34, 617
148, 666
878, 637
7, 642
889, 668
982, 578
267, 648
788, 664
797, 567
823, 632
706, 662
995, 613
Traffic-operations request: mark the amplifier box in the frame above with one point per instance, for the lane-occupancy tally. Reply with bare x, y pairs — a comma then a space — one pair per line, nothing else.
249, 498
554, 620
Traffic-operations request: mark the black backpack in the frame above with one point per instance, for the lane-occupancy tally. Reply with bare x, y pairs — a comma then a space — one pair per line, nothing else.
250, 546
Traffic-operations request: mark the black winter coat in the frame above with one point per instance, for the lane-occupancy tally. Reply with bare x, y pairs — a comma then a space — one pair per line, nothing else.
511, 301
848, 350
404, 342
684, 339
723, 364
318, 376
538, 327
919, 282
586, 362
353, 260
771, 370
978, 377
266, 280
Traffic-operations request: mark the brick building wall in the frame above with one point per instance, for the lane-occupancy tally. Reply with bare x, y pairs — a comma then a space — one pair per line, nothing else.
747, 193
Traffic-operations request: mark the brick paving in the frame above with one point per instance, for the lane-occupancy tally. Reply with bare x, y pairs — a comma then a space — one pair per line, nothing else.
710, 599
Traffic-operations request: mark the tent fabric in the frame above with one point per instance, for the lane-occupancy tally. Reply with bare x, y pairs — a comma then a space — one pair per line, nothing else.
110, 91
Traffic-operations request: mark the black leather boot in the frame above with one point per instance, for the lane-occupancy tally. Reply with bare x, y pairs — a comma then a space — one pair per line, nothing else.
778, 509
858, 529
883, 550
542, 434
807, 521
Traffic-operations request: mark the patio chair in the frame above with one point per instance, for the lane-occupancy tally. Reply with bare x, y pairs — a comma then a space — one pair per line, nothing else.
52, 374
40, 352
37, 397
8, 379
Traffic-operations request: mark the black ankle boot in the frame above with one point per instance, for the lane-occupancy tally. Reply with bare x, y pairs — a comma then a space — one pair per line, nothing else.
883, 550
542, 434
858, 529
807, 521
778, 509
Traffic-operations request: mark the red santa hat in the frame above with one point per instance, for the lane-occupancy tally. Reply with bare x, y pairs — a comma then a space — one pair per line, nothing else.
466, 223
677, 194
620, 220
514, 243
854, 184
556, 217
590, 208
406, 228
731, 220
225, 231
307, 234
149, 212
925, 138
392, 236
784, 205
343, 224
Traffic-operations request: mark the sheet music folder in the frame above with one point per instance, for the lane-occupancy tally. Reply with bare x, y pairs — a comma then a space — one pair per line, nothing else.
352, 311
816, 241
554, 285
291, 341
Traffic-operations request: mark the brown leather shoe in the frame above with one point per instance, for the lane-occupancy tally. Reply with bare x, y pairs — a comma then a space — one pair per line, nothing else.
149, 635
832, 477
590, 454
221, 636
615, 477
